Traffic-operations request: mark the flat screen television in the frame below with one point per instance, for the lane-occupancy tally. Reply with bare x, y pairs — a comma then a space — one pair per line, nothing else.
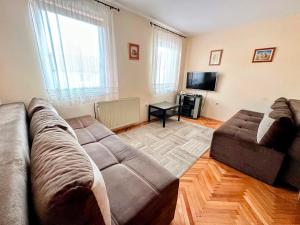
201, 80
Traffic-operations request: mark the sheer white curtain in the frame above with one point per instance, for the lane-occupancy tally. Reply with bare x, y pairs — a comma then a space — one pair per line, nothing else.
76, 46
166, 61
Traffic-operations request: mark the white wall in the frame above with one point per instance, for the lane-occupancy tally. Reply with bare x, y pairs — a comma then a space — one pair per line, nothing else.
244, 84
20, 76
19, 68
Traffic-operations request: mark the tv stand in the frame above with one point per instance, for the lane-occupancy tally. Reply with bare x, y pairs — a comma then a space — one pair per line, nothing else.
190, 105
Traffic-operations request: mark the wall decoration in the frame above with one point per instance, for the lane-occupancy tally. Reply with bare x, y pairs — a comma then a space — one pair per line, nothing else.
134, 51
215, 57
263, 55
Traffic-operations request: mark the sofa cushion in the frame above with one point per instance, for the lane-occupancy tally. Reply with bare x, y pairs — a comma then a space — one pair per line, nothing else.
66, 185
81, 122
101, 155
88, 130
276, 129
138, 188
280, 106
281, 99
295, 108
37, 104
46, 118
242, 126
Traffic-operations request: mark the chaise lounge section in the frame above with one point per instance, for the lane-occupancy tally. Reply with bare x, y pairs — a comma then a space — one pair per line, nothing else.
236, 144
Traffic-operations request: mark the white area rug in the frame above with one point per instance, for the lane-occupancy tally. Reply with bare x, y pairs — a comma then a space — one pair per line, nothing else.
176, 147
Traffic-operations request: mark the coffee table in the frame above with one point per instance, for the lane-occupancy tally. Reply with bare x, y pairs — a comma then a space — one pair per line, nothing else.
163, 110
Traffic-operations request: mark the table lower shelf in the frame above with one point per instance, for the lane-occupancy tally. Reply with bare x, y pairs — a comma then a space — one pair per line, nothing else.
159, 113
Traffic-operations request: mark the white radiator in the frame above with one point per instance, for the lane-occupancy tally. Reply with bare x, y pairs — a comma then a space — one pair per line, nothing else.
119, 113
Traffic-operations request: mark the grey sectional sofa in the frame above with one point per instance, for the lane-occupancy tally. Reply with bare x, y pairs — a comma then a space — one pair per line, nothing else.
80, 173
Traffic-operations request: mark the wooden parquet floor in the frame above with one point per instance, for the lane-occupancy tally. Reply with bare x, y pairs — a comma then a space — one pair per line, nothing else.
213, 193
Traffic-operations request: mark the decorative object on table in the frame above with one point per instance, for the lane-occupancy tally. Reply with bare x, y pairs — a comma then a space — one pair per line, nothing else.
215, 57
263, 55
134, 51
175, 147
164, 110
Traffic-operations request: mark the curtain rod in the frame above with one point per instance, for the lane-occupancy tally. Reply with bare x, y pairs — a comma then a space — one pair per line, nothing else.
153, 24
110, 6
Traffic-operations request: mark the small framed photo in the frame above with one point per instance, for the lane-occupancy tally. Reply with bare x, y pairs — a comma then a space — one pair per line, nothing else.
215, 57
263, 55
134, 51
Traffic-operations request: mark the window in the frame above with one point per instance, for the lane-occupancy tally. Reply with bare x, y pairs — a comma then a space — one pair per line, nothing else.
166, 61
76, 50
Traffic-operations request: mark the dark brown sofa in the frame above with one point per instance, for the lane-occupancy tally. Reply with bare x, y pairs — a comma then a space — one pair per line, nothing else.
70, 163
235, 144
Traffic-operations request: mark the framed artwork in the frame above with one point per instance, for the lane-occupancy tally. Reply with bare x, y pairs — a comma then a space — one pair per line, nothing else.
215, 57
134, 51
263, 55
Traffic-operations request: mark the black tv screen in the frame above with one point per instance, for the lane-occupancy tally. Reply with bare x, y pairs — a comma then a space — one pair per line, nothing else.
201, 80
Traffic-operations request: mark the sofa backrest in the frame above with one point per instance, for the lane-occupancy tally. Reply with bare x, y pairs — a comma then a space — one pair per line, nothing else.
14, 165
67, 187
295, 108
294, 150
276, 129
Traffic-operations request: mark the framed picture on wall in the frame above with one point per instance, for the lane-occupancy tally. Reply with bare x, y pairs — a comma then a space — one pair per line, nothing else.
263, 55
215, 57
134, 51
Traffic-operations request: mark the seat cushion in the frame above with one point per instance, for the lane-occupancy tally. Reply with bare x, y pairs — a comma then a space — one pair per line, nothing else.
101, 155
88, 130
138, 188
81, 122
128, 192
242, 126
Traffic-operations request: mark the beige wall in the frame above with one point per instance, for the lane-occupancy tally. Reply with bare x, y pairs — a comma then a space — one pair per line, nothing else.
243, 84
20, 76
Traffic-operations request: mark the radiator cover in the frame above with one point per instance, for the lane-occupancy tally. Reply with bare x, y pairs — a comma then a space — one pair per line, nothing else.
118, 113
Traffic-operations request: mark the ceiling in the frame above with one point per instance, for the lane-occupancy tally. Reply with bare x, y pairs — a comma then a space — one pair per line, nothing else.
192, 17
